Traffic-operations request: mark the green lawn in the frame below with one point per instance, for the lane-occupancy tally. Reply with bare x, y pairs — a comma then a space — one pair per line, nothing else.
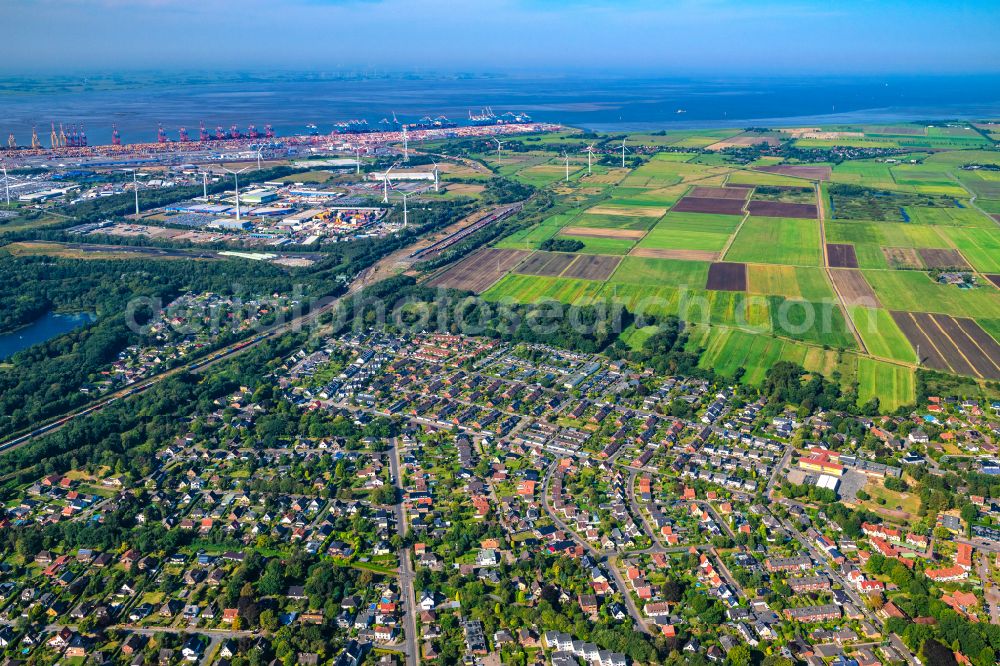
893, 385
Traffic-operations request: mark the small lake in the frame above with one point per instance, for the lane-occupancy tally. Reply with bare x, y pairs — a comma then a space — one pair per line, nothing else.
44, 328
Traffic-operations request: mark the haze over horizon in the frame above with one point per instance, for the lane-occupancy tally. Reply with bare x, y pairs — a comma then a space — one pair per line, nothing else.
598, 37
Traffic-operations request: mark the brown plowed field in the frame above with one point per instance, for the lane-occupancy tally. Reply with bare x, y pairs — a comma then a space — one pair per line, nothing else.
709, 205
592, 267
942, 258
958, 331
686, 255
902, 257
726, 276
995, 279
594, 232
952, 344
782, 209
719, 192
810, 172
550, 264
841, 255
929, 355
853, 287
479, 270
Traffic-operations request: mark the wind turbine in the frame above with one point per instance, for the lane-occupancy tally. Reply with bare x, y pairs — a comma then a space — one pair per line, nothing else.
135, 188
236, 178
566, 155
406, 219
259, 148
204, 184
385, 185
590, 155
437, 178
499, 145
6, 183
357, 159
623, 152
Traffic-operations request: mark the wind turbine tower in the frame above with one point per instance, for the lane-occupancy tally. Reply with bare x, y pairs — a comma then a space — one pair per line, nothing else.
6, 183
385, 185
499, 145
437, 178
623, 153
566, 156
135, 188
590, 155
236, 178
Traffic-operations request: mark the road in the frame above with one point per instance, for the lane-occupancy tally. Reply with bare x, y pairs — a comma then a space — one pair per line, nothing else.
406, 574
991, 592
320, 307
598, 556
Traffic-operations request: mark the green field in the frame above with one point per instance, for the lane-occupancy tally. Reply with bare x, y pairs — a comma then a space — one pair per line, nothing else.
880, 334
661, 272
776, 240
691, 231
727, 349
531, 289
885, 234
591, 245
915, 200
798, 282
820, 323
535, 235
981, 247
956, 217
893, 385
915, 291
602, 221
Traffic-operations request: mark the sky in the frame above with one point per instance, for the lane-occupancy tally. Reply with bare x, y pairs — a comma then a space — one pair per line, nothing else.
613, 37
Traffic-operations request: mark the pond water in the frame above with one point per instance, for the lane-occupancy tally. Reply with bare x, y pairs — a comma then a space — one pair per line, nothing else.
46, 327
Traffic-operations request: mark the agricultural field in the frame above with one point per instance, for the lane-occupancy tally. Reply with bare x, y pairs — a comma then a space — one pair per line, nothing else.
598, 245
738, 250
691, 231
915, 291
796, 282
881, 335
776, 240
893, 385
981, 247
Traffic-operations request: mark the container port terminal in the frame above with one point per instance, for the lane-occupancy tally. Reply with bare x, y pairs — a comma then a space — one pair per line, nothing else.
69, 144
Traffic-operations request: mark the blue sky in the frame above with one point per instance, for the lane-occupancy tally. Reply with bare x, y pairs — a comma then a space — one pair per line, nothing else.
641, 37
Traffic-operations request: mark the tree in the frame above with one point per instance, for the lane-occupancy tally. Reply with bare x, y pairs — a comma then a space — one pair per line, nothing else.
739, 655
935, 653
269, 620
